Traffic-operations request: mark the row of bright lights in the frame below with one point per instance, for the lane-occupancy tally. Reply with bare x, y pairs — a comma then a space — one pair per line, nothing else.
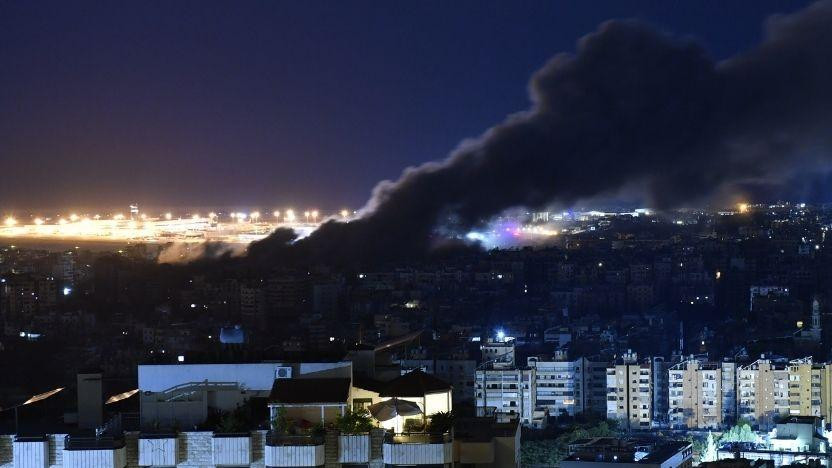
289, 216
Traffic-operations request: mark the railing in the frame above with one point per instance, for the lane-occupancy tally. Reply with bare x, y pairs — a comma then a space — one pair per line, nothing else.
417, 438
103, 442
273, 439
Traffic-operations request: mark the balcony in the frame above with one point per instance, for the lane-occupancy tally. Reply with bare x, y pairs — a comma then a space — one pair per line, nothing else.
30, 452
232, 449
417, 449
354, 448
158, 449
295, 450
91, 451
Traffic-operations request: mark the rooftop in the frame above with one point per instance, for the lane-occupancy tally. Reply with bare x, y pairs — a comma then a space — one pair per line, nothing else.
309, 391
414, 384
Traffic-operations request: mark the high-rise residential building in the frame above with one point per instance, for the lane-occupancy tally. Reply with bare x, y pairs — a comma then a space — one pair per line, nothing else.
569, 387
630, 392
807, 382
702, 394
763, 388
507, 393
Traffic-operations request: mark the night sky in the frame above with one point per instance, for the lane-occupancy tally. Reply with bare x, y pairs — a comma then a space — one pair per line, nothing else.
279, 103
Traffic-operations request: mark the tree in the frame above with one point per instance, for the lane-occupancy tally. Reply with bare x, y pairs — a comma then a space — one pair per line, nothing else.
553, 451
740, 433
710, 449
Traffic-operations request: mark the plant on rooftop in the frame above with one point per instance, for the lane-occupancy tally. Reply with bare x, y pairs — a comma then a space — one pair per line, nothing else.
281, 423
354, 422
441, 422
553, 451
232, 421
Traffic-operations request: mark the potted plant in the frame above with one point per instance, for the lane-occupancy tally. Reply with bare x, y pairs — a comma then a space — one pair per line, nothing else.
441, 422
354, 422
354, 440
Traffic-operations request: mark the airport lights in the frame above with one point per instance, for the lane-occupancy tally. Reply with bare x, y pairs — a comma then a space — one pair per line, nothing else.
10, 221
255, 215
38, 221
276, 215
168, 216
344, 213
306, 215
315, 216
290, 215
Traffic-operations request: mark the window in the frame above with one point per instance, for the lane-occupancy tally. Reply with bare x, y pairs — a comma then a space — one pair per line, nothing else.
361, 403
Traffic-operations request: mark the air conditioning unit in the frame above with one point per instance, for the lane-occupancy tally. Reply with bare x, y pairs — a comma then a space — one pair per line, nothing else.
283, 373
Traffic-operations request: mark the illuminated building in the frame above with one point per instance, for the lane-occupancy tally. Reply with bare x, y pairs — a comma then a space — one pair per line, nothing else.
508, 394
763, 388
569, 387
702, 394
630, 392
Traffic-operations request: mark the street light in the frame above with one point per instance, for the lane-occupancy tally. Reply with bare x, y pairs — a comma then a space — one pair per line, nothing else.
315, 216
276, 215
306, 214
290, 215
33, 399
121, 396
344, 213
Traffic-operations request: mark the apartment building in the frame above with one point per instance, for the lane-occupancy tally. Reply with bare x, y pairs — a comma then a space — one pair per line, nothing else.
569, 387
508, 393
807, 382
630, 392
702, 395
763, 388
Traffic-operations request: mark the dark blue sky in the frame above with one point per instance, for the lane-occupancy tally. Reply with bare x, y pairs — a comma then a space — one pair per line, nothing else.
280, 102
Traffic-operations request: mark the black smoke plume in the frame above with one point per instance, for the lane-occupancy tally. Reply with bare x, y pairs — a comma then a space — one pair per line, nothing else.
633, 109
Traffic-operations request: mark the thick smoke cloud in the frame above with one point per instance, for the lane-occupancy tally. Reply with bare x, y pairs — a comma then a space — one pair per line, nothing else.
632, 109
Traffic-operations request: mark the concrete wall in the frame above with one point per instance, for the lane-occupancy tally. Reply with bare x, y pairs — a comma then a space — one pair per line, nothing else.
158, 378
194, 451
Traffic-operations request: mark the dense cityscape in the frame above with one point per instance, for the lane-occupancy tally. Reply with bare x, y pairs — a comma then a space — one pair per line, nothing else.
363, 234
718, 317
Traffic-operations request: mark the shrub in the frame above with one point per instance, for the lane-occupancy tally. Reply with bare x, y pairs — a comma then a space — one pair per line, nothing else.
441, 422
354, 422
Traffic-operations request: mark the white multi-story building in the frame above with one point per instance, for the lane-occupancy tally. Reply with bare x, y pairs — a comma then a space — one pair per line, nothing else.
499, 352
569, 387
509, 393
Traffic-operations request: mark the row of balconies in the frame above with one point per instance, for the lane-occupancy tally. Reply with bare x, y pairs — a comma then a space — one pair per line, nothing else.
234, 450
